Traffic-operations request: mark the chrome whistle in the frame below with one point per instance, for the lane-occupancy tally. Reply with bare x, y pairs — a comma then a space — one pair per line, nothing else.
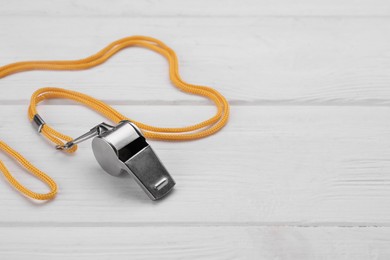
123, 149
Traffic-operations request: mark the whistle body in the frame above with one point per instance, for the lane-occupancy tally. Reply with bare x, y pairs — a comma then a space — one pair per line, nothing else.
123, 149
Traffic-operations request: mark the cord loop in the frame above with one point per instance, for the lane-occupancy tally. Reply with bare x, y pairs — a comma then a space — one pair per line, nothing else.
200, 130
32, 169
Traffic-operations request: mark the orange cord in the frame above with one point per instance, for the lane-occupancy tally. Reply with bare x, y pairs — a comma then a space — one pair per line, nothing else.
200, 130
31, 168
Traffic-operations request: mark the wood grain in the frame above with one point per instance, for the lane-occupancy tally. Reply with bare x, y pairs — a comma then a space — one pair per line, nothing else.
195, 243
272, 61
300, 172
306, 165
200, 8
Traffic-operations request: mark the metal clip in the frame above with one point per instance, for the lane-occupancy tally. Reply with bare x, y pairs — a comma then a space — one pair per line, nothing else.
96, 131
123, 148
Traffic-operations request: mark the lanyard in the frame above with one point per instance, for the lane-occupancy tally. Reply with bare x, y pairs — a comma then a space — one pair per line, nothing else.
200, 130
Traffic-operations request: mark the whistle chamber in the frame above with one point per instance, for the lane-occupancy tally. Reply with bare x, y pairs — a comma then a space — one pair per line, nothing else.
123, 149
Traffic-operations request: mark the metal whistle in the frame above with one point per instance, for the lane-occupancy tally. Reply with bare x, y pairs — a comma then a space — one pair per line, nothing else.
123, 149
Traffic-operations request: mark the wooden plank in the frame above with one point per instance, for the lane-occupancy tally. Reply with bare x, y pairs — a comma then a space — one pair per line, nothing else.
300, 165
251, 60
194, 243
200, 8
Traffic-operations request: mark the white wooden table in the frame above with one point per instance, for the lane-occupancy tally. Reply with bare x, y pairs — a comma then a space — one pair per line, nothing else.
302, 171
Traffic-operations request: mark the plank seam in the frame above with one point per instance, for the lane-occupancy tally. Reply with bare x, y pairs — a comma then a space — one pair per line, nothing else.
260, 102
197, 224
174, 16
